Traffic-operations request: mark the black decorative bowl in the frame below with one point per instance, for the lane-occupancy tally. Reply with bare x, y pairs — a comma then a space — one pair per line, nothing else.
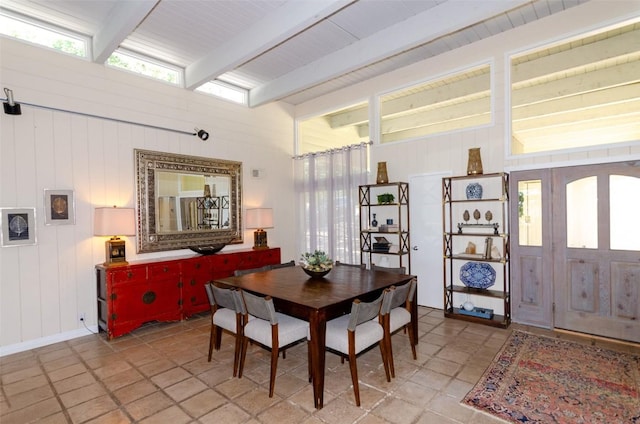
316, 274
208, 250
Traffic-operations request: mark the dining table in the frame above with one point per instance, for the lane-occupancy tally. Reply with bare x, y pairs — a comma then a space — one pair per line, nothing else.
318, 300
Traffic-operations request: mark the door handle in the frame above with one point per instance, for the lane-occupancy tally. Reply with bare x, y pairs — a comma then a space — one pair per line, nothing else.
414, 248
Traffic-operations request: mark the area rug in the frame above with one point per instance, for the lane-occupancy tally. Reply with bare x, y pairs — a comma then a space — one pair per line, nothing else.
537, 379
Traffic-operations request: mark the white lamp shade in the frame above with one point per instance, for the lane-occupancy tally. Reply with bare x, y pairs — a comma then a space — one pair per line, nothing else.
259, 218
114, 222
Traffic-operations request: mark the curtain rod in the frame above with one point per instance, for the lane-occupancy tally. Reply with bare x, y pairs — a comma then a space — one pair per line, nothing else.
335, 149
106, 118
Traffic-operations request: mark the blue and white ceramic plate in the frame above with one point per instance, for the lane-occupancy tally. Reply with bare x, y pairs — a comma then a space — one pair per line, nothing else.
477, 275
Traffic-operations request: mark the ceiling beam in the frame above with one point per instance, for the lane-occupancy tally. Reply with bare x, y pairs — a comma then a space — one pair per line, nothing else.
124, 17
276, 27
438, 21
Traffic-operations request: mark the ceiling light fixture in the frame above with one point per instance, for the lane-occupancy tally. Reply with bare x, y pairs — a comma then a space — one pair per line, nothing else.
11, 107
201, 133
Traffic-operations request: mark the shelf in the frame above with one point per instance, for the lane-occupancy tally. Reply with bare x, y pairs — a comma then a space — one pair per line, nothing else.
503, 235
497, 320
404, 252
475, 200
498, 294
383, 232
458, 233
474, 258
397, 210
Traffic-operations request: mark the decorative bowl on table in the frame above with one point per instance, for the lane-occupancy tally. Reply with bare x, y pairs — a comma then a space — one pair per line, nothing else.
477, 275
316, 274
316, 264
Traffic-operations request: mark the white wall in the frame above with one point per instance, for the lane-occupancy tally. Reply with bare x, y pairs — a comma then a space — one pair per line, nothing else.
44, 287
449, 152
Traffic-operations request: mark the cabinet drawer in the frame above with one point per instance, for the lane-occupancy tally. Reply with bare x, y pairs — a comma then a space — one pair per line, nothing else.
227, 262
128, 274
164, 270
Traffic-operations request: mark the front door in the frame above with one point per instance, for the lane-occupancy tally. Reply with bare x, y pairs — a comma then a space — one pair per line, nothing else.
596, 239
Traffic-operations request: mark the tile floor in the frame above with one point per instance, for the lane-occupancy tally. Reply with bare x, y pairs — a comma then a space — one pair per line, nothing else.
160, 374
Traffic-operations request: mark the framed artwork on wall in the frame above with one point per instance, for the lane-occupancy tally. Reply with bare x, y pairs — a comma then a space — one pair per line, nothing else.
59, 207
18, 226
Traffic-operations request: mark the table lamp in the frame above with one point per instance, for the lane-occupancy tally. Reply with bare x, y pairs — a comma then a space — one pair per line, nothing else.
259, 219
114, 222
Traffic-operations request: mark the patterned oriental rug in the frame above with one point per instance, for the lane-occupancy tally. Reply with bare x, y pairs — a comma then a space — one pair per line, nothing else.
537, 379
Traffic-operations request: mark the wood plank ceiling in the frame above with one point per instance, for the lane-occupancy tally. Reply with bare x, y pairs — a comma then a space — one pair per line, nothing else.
293, 50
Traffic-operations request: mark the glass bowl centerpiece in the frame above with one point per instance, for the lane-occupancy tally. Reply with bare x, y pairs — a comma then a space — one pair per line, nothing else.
316, 264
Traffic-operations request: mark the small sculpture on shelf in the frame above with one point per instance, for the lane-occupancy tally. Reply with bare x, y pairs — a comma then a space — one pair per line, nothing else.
466, 216
476, 215
488, 216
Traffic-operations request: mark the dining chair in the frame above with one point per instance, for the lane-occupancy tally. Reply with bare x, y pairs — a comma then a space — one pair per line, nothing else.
399, 317
357, 332
396, 270
361, 266
284, 264
227, 312
239, 272
271, 330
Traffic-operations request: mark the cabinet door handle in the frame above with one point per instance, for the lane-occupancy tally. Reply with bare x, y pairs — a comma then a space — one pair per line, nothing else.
414, 248
149, 297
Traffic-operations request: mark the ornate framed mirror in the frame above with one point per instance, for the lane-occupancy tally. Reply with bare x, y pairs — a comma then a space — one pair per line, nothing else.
187, 201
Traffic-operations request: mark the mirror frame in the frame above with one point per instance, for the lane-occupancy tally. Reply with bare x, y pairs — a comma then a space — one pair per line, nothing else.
149, 240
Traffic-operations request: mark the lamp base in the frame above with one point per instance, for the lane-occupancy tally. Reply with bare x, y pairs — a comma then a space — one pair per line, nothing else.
260, 239
115, 252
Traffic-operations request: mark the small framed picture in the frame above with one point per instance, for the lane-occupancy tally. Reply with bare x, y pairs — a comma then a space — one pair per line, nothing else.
18, 226
59, 207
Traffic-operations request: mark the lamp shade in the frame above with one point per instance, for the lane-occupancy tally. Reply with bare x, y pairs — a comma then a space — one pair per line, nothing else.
114, 222
259, 218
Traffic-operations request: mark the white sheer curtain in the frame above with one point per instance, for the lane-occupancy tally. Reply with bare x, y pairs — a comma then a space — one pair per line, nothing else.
326, 185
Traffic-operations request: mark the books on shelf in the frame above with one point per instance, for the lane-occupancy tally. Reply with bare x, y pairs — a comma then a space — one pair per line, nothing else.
389, 228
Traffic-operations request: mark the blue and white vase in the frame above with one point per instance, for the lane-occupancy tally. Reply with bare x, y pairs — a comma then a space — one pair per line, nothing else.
474, 191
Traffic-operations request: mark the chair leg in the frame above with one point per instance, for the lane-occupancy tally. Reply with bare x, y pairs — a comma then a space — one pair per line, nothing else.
385, 358
236, 354
386, 325
354, 377
211, 337
217, 331
274, 368
387, 341
243, 355
412, 340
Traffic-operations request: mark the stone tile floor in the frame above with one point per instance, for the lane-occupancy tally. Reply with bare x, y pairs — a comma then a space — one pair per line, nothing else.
160, 374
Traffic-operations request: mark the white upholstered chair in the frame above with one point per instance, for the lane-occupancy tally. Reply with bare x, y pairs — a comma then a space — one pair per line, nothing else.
269, 329
352, 334
399, 317
227, 312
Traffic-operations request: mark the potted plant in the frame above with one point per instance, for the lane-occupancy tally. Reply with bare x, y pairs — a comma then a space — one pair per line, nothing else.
316, 264
385, 198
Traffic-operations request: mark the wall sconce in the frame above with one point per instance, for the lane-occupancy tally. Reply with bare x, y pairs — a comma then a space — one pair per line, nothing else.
259, 219
114, 222
11, 107
201, 133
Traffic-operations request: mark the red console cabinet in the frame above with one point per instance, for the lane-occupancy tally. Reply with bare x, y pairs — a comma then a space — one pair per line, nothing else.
166, 289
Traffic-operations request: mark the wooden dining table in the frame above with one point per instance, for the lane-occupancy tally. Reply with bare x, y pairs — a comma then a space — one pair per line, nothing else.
319, 300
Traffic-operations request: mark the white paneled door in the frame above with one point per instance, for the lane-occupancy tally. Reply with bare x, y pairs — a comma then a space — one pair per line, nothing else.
425, 192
